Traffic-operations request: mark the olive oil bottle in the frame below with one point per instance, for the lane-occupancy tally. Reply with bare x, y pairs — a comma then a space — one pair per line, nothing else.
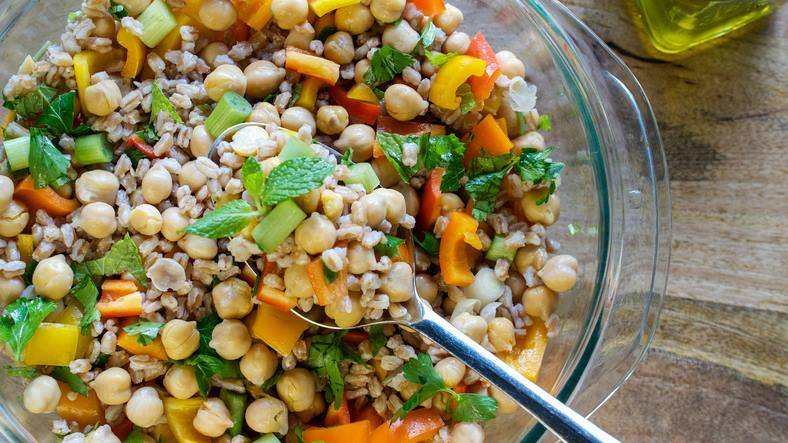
676, 25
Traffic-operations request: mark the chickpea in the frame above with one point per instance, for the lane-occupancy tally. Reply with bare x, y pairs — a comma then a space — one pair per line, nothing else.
135, 7
200, 143
354, 19
191, 176
6, 192
360, 138
223, 79
231, 339
339, 48
300, 37
394, 203
500, 332
102, 98
332, 119
387, 11
14, 219
180, 338
471, 325
457, 42
199, 247
531, 139
332, 204
510, 65
361, 68
232, 298
308, 202
213, 418
386, 173
560, 273
411, 198
97, 186
42, 395
105, 27
297, 388
173, 221
213, 50
343, 317
401, 36
530, 255
449, 20
546, 213
217, 15
403, 102
505, 403
317, 408
267, 414
145, 408
112, 386
450, 202
316, 234
289, 13
297, 282
295, 117
10, 290
259, 364
539, 301
102, 434
466, 432
156, 185
264, 112
426, 287
98, 219
374, 208
262, 78
180, 382
360, 258
53, 277
451, 370
398, 282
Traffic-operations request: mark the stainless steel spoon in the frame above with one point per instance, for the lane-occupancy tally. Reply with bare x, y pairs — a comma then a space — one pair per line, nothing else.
552, 413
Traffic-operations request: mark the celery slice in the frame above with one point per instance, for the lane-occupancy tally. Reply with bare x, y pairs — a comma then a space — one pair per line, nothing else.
364, 174
92, 149
17, 150
295, 148
278, 225
157, 21
498, 250
231, 110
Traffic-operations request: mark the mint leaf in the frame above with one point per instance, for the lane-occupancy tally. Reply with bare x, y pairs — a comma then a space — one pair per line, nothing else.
33, 103
391, 145
294, 177
473, 407
427, 34
390, 246
205, 328
123, 256
429, 244
437, 59
145, 330
386, 63
224, 221
253, 178
64, 374
160, 102
28, 372
47, 164
325, 354
20, 320
377, 338
545, 124
59, 115
85, 291
467, 99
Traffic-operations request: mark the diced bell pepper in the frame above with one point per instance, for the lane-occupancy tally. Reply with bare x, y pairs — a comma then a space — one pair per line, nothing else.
53, 344
455, 263
136, 53
279, 330
451, 75
528, 351
180, 417
312, 65
75, 407
487, 135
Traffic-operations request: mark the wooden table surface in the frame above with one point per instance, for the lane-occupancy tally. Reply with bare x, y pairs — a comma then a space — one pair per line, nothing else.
718, 368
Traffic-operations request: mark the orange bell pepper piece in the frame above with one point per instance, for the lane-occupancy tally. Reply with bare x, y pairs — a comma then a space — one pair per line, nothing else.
419, 425
326, 293
155, 349
394, 126
279, 330
528, 351
488, 135
430, 206
128, 305
453, 256
371, 415
358, 432
362, 111
454, 73
430, 7
83, 410
239, 31
387, 433
312, 65
336, 417
136, 53
309, 89
276, 298
255, 13
483, 85
114, 289
44, 198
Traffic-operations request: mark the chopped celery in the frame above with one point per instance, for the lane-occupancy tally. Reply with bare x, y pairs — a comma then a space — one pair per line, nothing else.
157, 21
236, 403
295, 148
231, 110
92, 149
498, 250
277, 225
267, 438
17, 150
364, 174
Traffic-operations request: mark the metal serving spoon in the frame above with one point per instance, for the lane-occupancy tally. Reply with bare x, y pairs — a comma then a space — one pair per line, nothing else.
553, 414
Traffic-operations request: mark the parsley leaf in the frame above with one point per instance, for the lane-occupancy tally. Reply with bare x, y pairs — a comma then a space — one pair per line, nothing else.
430, 244
329, 274
160, 103
473, 407
295, 94
21, 371
135, 436
205, 328
428, 34
47, 164
271, 382
59, 115
123, 256
467, 99
391, 145
253, 179
545, 124
206, 361
535, 166
117, 10
20, 320
386, 63
86, 292
134, 155
224, 221
390, 246
27, 277
484, 189
437, 59
145, 330
33, 103
294, 177
347, 157
446, 151
325, 354
148, 134
64, 374
377, 338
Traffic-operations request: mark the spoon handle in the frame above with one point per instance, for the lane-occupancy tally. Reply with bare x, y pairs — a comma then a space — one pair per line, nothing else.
556, 416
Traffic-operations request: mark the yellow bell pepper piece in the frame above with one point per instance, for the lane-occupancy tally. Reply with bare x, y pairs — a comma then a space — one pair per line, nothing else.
25, 244
309, 89
528, 351
311, 65
74, 407
255, 13
53, 344
136, 53
454, 73
362, 92
72, 315
502, 124
86, 63
279, 330
180, 416
323, 7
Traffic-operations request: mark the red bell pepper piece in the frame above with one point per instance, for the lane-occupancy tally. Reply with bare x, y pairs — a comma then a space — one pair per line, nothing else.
362, 111
355, 337
482, 85
336, 417
430, 207
136, 142
430, 7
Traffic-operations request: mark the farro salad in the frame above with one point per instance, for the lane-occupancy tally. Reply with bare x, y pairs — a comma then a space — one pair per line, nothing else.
147, 281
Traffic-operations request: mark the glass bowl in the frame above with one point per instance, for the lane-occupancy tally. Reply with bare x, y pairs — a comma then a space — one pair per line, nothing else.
614, 192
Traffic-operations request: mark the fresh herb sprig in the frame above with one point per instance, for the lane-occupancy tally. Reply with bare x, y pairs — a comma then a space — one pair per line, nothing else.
325, 354
145, 331
205, 361
386, 63
20, 320
64, 374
